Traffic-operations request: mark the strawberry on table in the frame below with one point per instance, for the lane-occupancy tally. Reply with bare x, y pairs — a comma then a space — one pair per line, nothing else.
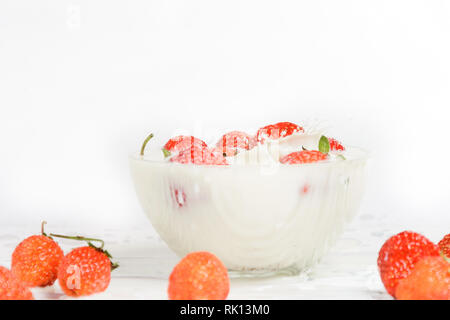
429, 280
398, 256
444, 246
305, 156
36, 259
11, 288
84, 271
278, 130
199, 276
230, 143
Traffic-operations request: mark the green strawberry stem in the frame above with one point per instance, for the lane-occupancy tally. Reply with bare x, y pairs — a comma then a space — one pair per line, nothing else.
90, 244
42, 228
80, 238
145, 143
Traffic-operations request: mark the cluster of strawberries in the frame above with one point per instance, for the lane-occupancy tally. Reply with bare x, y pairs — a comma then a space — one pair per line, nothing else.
189, 149
414, 268
38, 261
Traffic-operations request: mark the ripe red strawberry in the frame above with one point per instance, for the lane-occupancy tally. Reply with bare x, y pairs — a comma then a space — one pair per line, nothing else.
200, 156
176, 144
429, 280
84, 271
278, 130
180, 143
230, 143
35, 261
11, 288
335, 145
199, 276
178, 196
398, 256
305, 156
444, 246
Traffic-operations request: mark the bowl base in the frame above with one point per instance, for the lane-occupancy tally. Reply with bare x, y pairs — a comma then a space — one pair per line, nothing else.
265, 273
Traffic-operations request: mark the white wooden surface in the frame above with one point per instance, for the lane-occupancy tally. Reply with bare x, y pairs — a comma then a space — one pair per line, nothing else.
348, 271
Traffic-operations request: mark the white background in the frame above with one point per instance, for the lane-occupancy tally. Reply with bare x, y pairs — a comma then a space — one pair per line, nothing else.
83, 82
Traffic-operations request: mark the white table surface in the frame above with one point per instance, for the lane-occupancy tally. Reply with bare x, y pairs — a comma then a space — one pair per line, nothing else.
348, 271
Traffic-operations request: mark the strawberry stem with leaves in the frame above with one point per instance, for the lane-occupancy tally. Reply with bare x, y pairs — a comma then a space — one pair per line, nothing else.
80, 238
90, 244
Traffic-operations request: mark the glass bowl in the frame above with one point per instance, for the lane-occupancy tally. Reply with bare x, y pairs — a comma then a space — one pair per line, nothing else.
258, 220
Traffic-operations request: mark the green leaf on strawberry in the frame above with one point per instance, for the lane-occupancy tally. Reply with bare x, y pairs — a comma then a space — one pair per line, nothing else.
324, 145
166, 152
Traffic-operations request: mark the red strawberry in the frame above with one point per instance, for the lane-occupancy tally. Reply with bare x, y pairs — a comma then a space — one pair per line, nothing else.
305, 156
429, 280
335, 145
179, 196
230, 142
200, 156
176, 144
180, 143
199, 276
84, 271
35, 261
11, 288
444, 246
278, 130
398, 256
